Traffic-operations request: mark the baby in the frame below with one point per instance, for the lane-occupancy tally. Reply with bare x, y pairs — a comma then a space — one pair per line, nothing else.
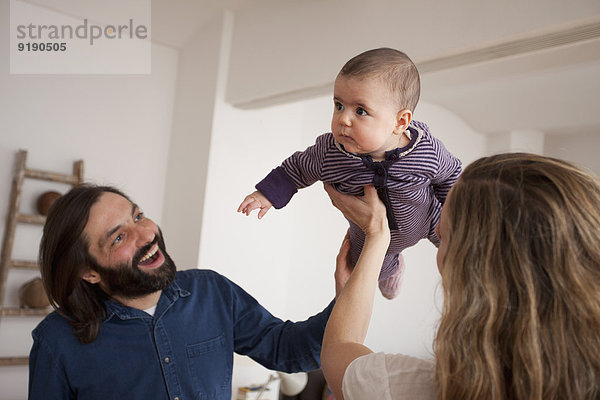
373, 140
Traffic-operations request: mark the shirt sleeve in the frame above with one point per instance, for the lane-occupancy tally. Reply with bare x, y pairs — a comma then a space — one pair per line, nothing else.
279, 345
449, 169
389, 376
300, 170
47, 380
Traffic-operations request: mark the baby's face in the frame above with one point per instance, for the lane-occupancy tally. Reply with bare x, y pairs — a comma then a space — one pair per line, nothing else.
365, 116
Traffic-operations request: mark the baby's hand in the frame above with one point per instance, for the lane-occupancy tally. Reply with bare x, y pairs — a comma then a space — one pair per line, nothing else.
254, 201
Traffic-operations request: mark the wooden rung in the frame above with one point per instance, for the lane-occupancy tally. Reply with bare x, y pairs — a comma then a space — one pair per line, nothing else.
24, 264
24, 312
51, 176
31, 218
8, 361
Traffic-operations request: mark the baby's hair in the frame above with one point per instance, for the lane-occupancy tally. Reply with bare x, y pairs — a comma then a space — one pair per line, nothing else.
394, 67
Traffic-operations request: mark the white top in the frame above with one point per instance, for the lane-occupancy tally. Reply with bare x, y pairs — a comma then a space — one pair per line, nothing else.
151, 310
389, 376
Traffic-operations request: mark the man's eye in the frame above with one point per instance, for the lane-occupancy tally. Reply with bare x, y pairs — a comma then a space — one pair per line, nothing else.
361, 111
139, 216
338, 106
118, 239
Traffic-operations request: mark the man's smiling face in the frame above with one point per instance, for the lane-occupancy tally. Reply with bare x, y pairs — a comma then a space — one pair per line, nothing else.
126, 249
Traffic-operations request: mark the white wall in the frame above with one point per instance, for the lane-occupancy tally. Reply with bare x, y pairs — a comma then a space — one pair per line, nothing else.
580, 149
190, 143
118, 124
287, 259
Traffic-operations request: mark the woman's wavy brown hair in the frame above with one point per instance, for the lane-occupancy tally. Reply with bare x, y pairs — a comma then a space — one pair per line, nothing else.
521, 281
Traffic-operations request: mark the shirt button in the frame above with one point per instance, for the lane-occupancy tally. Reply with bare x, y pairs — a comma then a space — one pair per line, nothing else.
175, 398
167, 360
393, 156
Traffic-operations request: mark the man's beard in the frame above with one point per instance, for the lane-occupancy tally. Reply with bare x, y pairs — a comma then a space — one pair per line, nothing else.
129, 281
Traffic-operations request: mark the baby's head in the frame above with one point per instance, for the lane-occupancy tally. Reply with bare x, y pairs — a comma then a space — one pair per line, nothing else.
374, 96
391, 66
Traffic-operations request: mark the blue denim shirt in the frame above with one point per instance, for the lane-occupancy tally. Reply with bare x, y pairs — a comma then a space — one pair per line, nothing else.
184, 352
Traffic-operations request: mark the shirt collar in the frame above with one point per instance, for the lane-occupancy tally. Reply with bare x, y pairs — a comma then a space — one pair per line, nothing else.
168, 296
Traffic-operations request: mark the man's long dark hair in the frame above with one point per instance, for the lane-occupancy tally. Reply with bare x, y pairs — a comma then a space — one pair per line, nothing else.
64, 257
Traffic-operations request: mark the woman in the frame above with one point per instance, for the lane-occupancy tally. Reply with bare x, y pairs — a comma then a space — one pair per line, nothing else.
520, 265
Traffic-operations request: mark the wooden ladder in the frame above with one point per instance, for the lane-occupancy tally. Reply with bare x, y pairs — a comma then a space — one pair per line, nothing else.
14, 216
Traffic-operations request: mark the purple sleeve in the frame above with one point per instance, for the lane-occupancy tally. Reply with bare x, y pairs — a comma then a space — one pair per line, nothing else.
278, 187
449, 169
304, 167
301, 169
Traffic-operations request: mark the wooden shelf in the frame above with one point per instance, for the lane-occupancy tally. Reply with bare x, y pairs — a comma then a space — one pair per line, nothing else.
14, 217
24, 312
52, 176
31, 218
22, 264
8, 361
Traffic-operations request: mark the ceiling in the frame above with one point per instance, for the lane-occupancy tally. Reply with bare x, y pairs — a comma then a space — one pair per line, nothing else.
494, 93
175, 21
555, 90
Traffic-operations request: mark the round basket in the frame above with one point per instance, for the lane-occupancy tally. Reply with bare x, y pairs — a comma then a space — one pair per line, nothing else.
46, 200
33, 295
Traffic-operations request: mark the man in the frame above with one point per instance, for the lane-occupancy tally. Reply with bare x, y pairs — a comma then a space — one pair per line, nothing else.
128, 325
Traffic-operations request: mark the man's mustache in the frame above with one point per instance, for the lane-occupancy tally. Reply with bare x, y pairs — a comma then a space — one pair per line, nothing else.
143, 250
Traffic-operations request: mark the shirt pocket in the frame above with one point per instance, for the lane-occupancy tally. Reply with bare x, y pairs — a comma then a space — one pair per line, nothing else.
211, 366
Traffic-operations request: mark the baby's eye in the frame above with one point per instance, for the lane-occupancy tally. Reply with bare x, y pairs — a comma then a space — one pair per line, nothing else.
338, 106
361, 111
139, 216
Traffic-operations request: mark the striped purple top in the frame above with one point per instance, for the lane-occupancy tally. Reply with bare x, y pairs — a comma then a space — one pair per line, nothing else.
412, 181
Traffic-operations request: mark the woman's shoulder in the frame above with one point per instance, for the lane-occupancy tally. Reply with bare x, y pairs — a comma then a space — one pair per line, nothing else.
401, 361
389, 376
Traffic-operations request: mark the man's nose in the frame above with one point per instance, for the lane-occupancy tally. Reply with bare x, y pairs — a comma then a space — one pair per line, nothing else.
145, 235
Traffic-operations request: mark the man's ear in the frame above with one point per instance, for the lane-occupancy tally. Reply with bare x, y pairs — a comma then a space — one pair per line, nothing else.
91, 276
403, 118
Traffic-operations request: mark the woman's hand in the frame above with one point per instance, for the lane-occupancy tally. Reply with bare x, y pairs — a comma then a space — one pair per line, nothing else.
368, 211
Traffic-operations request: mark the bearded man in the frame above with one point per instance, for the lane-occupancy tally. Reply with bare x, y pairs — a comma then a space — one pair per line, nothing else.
127, 324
